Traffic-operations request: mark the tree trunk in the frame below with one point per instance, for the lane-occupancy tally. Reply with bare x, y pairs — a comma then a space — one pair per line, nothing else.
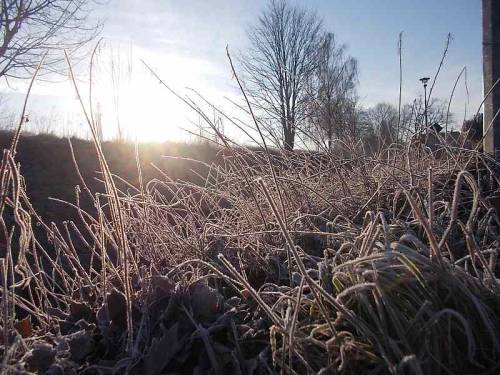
288, 132
491, 73
288, 139
330, 135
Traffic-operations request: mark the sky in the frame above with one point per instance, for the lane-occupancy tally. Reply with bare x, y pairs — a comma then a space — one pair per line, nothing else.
185, 43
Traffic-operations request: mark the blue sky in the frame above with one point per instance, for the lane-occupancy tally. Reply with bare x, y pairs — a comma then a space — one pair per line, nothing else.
185, 42
371, 28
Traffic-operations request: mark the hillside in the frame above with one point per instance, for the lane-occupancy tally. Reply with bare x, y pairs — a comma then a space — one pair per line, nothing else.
49, 170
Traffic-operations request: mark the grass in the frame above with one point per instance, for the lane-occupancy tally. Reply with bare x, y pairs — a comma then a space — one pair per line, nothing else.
46, 178
369, 265
268, 262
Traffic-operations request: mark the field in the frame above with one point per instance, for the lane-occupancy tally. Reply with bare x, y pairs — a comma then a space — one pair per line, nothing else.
257, 261
336, 212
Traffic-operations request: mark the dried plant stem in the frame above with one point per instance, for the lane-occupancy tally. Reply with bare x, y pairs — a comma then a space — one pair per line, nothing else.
115, 211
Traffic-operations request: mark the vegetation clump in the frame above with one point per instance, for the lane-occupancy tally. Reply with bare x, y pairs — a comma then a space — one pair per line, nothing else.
277, 261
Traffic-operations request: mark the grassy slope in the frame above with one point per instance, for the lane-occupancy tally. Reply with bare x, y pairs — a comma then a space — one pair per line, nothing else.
49, 171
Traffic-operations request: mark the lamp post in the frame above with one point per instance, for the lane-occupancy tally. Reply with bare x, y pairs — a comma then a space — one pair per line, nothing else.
424, 81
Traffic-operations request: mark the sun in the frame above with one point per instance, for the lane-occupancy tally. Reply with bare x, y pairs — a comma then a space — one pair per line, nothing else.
140, 110
134, 104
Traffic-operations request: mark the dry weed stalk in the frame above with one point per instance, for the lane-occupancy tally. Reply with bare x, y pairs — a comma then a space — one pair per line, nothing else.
292, 262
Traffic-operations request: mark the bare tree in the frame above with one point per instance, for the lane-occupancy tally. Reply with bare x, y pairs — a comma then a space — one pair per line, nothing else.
279, 62
381, 122
333, 92
437, 114
31, 28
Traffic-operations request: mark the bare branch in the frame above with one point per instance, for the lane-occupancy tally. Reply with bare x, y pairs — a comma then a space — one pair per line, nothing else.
30, 29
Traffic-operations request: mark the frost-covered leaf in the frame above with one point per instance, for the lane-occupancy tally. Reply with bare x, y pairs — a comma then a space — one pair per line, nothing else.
40, 357
24, 327
162, 351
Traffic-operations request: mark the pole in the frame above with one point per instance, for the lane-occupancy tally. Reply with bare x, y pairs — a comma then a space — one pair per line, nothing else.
424, 81
491, 73
425, 107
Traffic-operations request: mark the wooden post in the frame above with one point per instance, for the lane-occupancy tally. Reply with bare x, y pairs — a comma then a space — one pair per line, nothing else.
491, 73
